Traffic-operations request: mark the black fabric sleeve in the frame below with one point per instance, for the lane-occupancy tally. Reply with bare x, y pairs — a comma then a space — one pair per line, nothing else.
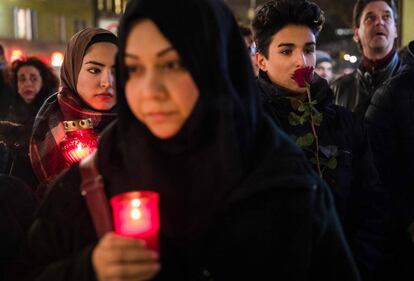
367, 207
330, 244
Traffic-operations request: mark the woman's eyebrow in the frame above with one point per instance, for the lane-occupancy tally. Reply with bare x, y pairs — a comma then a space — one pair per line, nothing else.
159, 54
95, 63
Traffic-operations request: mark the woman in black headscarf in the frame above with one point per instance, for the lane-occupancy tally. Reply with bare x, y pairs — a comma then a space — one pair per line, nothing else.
237, 199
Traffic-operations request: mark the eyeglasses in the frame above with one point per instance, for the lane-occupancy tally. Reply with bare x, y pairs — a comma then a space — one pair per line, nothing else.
252, 49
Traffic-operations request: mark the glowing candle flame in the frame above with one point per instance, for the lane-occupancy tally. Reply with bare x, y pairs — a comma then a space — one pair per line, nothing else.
136, 203
135, 214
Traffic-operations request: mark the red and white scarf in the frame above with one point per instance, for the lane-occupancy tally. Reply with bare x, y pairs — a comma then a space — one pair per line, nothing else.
45, 154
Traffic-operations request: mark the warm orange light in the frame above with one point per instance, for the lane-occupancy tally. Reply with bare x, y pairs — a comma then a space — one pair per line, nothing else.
16, 54
135, 214
56, 59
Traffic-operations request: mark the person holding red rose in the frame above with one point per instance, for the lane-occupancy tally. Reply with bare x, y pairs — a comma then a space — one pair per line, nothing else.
334, 141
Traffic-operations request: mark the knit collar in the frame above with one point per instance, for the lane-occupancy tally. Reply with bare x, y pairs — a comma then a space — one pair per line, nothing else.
372, 66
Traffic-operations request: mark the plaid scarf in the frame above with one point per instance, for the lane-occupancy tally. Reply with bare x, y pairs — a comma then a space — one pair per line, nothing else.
47, 160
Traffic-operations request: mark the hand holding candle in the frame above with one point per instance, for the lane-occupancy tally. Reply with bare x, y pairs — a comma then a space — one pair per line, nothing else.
121, 258
136, 215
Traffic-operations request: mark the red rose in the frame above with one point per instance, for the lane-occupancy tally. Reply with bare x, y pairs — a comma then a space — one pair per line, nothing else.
303, 76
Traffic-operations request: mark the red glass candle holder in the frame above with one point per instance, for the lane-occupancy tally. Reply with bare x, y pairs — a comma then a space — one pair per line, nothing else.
136, 215
80, 140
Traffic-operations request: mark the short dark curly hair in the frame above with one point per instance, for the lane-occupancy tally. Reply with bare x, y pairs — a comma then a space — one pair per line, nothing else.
276, 14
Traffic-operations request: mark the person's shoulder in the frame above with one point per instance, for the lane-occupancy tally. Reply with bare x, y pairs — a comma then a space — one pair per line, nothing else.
343, 80
402, 78
50, 102
280, 166
63, 197
342, 112
398, 88
48, 113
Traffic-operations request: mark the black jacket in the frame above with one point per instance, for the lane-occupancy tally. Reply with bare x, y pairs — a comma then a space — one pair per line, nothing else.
354, 91
359, 197
279, 223
390, 123
237, 199
17, 207
15, 138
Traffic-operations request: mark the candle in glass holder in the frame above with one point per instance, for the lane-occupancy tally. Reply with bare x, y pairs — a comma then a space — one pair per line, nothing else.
136, 215
80, 140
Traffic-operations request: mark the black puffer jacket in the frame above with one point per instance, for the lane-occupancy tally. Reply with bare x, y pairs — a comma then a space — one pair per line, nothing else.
358, 195
390, 123
354, 91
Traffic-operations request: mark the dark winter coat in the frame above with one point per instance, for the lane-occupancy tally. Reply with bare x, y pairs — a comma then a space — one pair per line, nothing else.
17, 207
15, 149
279, 223
5, 95
390, 123
359, 197
238, 201
354, 91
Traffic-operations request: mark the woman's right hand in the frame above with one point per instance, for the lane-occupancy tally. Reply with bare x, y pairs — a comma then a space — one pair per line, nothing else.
124, 259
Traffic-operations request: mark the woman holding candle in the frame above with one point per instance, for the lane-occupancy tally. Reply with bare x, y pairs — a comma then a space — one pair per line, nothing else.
237, 199
87, 93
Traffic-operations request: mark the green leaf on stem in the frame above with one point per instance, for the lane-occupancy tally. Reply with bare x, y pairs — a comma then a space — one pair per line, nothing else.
332, 163
317, 119
294, 119
306, 140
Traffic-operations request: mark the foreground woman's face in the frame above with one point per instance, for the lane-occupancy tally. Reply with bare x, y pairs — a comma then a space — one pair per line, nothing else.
160, 92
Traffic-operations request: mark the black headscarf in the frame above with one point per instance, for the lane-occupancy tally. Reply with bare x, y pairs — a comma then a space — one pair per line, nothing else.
211, 154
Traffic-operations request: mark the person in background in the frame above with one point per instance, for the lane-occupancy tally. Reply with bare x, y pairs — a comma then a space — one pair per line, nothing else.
32, 82
334, 141
390, 123
87, 92
4, 89
251, 46
235, 193
375, 32
324, 66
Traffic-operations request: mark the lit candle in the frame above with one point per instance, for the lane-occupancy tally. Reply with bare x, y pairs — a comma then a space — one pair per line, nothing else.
136, 215
79, 141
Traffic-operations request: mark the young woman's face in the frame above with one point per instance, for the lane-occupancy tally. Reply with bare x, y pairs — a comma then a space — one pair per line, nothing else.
160, 92
291, 48
29, 82
95, 80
